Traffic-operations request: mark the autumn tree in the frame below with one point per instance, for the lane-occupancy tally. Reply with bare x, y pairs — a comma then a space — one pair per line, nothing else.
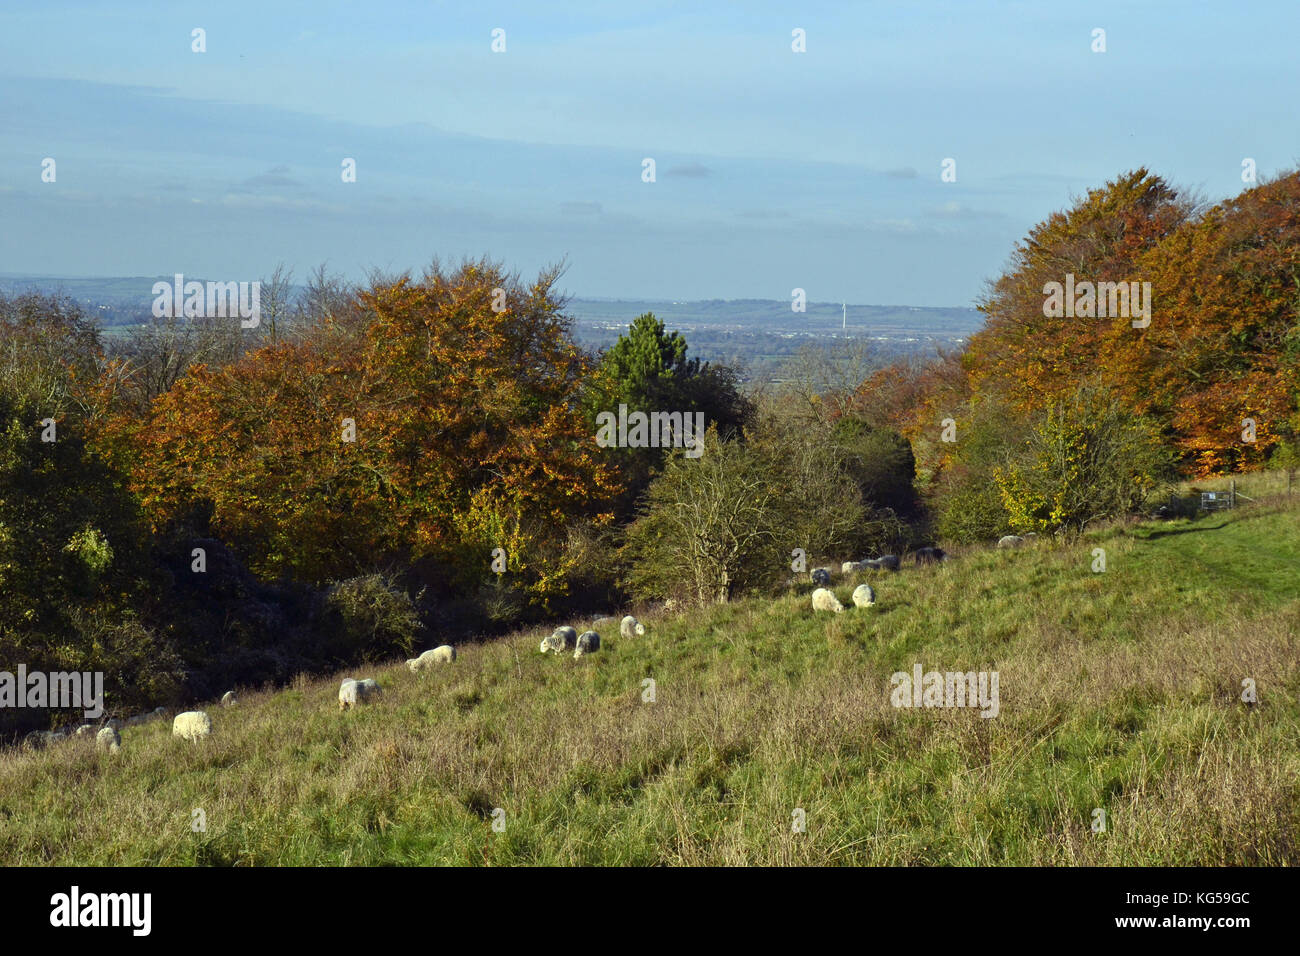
452, 428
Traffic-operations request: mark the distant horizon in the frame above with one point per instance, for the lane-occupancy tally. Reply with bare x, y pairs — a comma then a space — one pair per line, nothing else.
567, 293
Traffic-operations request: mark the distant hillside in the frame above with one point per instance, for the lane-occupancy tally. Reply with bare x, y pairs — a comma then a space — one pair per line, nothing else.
758, 333
1119, 691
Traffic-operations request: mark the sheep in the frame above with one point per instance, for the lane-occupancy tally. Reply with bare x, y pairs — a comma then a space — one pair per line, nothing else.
821, 577
848, 567
561, 639
442, 654
588, 643
108, 739
930, 556
1010, 541
863, 596
228, 699
601, 623
353, 692
630, 627
824, 600
347, 694
191, 725
85, 730
886, 562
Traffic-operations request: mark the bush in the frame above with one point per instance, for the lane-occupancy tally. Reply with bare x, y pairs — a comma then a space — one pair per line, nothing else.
727, 522
1088, 458
881, 462
368, 618
968, 506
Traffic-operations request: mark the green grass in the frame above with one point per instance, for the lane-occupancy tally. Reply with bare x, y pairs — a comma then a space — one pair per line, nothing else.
1118, 690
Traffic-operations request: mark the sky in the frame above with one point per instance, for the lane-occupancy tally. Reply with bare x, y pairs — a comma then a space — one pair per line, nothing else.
774, 170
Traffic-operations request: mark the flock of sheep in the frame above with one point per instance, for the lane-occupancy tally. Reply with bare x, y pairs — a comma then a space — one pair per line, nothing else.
196, 724
824, 599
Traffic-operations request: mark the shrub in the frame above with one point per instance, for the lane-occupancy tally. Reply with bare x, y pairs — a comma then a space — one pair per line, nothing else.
368, 618
1088, 458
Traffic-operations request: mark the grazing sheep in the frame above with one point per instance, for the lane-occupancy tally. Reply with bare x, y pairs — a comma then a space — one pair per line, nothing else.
821, 577
85, 730
442, 654
824, 600
108, 739
1010, 541
848, 567
354, 692
228, 699
886, 562
192, 725
602, 622
561, 639
588, 643
863, 596
347, 694
630, 627
930, 556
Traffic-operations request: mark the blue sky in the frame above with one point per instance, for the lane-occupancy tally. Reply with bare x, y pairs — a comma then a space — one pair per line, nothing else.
774, 169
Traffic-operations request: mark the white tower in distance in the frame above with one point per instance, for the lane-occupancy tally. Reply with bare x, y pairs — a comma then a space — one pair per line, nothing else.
844, 324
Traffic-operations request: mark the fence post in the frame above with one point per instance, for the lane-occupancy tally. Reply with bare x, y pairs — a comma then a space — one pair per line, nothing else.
1232, 501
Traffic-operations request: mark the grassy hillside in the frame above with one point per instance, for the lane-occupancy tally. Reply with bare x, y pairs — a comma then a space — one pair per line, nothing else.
1118, 690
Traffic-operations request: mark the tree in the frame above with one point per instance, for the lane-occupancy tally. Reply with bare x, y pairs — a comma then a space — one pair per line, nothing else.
710, 526
1087, 459
464, 406
647, 370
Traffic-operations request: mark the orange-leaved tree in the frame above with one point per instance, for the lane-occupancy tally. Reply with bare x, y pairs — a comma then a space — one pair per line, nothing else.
455, 416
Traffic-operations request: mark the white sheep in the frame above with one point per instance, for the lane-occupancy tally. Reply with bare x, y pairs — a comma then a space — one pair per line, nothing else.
1010, 541
863, 596
108, 739
228, 699
561, 639
85, 730
588, 643
825, 600
442, 654
192, 725
354, 692
630, 627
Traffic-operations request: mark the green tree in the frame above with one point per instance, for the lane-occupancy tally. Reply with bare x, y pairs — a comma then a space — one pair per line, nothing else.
1087, 459
648, 370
